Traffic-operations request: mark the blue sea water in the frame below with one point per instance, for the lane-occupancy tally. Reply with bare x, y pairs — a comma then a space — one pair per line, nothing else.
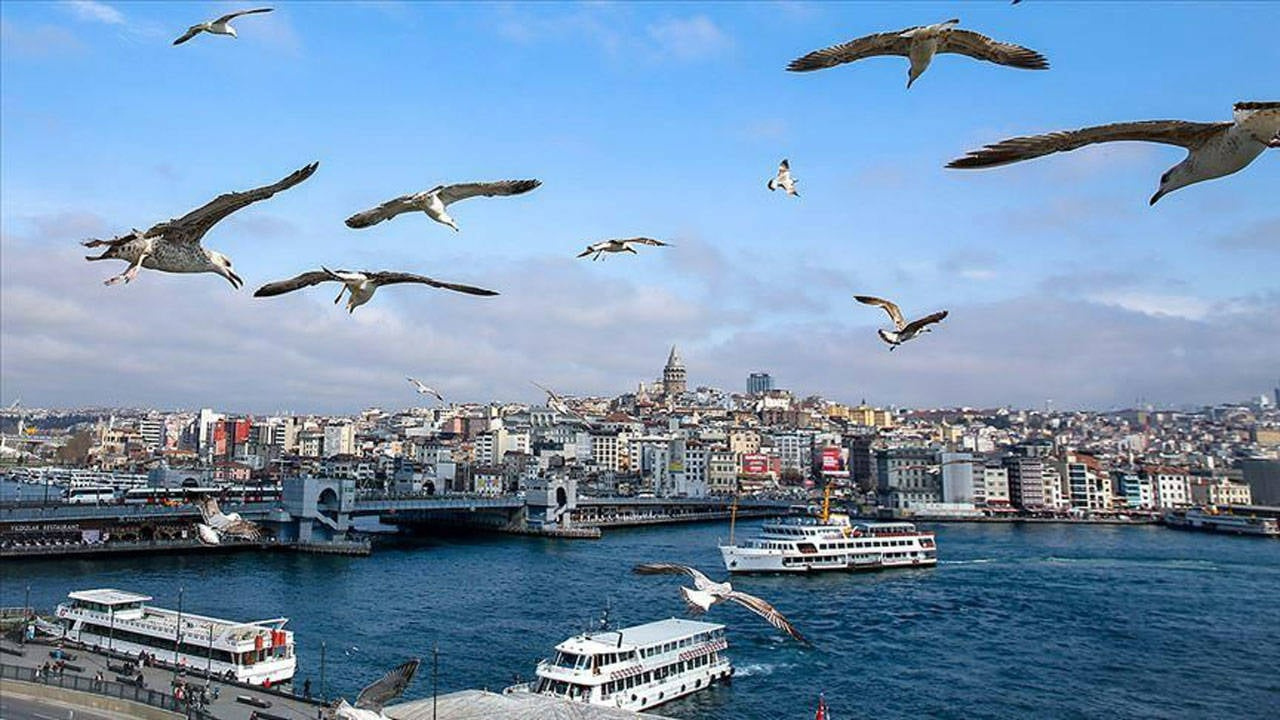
1017, 621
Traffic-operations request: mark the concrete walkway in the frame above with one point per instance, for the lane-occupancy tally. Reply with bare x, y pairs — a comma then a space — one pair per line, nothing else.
224, 707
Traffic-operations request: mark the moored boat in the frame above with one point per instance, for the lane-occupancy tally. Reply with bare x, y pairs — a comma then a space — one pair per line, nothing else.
257, 653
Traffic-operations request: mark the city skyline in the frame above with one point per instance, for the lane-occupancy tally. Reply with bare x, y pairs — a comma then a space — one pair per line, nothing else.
1071, 288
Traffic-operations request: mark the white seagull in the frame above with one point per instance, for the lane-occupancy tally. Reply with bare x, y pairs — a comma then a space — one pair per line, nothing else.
706, 593
361, 284
220, 26
784, 179
557, 403
208, 535
434, 201
904, 330
226, 524
424, 390
619, 245
374, 696
174, 246
1214, 150
920, 44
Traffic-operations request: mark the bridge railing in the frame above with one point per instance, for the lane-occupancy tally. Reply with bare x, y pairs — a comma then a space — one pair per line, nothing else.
123, 691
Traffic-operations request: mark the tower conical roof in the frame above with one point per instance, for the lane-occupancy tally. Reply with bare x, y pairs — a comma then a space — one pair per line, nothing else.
673, 360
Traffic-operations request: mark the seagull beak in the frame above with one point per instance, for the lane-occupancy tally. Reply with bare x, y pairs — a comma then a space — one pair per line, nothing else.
1159, 194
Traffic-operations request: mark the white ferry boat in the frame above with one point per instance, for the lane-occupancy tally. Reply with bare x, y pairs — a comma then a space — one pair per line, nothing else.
1222, 522
255, 652
635, 668
830, 542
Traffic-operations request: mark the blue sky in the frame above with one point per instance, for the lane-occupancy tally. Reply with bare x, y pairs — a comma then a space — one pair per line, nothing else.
656, 119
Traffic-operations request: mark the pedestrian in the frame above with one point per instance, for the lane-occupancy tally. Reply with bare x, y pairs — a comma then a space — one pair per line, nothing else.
306, 688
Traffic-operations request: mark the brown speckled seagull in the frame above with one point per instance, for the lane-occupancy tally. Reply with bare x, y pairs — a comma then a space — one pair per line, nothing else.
919, 45
361, 284
1214, 149
174, 245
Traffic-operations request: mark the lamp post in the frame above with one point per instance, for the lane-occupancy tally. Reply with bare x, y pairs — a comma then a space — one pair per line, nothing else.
177, 635
435, 676
111, 638
323, 696
208, 668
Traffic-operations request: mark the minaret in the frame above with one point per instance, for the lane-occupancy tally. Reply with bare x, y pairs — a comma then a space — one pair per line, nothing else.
673, 378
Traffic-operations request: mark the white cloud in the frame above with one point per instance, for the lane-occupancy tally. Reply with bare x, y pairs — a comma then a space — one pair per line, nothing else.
93, 11
689, 38
1156, 304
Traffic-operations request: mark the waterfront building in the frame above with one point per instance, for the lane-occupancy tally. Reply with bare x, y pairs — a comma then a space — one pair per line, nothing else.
1026, 481
1172, 486
722, 472
339, 439
1219, 491
995, 485
759, 383
957, 478
1263, 479
903, 477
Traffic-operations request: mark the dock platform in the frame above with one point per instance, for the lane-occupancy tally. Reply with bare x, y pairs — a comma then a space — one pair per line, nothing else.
484, 705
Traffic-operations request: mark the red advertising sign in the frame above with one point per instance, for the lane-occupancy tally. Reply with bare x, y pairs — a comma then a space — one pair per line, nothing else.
755, 464
831, 459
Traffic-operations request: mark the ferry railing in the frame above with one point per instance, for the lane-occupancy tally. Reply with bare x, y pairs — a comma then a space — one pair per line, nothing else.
108, 688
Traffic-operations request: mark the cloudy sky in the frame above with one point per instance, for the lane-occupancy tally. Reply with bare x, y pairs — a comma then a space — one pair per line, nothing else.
656, 119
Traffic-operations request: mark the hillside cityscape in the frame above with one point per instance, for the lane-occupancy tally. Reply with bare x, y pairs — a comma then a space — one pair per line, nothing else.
669, 439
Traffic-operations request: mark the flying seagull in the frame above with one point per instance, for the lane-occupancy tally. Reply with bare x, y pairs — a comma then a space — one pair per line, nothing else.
784, 179
920, 44
424, 390
361, 284
904, 330
225, 524
706, 593
220, 26
1214, 150
373, 697
619, 245
557, 402
434, 201
174, 245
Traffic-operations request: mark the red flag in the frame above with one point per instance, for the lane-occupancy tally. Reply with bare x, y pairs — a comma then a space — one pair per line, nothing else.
822, 708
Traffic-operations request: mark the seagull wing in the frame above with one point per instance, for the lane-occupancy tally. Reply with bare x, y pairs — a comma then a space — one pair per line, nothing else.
981, 47
306, 279
894, 313
191, 32
387, 277
1244, 112
198, 221
766, 611
643, 241
1182, 133
890, 43
385, 211
700, 581
231, 16
462, 191
242, 529
388, 687
915, 325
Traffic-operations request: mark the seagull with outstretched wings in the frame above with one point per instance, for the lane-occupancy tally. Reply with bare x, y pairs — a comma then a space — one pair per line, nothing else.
619, 245
706, 593
783, 179
361, 284
174, 245
904, 330
218, 26
425, 389
919, 45
1214, 149
376, 695
226, 524
434, 201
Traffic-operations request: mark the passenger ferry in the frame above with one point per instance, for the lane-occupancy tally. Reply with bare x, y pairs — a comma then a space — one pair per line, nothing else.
635, 668
1222, 522
830, 542
256, 653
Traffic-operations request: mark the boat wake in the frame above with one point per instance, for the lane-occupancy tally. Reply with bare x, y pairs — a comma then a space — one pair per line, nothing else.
975, 561
758, 669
